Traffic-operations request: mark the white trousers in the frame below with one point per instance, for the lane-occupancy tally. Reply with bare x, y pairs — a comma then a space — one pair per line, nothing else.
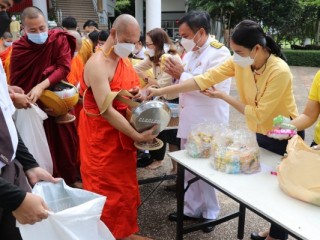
200, 199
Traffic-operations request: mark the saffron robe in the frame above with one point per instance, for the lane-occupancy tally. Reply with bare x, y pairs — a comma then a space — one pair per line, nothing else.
32, 63
108, 157
74, 76
4, 55
86, 50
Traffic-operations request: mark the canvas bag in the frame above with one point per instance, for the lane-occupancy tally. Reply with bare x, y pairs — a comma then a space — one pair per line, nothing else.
299, 171
74, 215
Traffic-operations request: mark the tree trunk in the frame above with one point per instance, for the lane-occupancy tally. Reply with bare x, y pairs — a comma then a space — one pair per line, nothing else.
317, 33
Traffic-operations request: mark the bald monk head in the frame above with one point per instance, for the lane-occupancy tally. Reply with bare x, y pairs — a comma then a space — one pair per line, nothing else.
78, 38
35, 25
125, 32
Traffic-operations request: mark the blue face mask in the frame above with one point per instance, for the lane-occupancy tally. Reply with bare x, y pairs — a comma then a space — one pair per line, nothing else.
38, 38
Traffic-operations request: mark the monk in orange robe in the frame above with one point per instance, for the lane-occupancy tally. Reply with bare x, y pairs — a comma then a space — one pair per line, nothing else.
108, 156
5, 48
76, 71
86, 50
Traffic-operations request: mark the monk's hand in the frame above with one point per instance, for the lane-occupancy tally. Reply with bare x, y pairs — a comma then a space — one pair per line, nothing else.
20, 100
148, 135
213, 93
135, 91
38, 174
174, 68
35, 93
32, 209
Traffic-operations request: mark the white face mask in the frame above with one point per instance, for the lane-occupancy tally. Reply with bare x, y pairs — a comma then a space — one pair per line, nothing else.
7, 44
123, 49
150, 52
188, 44
38, 38
136, 51
242, 61
166, 47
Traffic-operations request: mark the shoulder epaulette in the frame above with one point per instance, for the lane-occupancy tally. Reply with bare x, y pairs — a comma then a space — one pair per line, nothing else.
216, 44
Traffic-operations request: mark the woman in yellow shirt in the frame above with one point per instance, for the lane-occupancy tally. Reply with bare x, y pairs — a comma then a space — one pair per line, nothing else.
264, 84
311, 111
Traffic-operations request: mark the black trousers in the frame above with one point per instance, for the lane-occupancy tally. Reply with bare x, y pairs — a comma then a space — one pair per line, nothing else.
279, 147
167, 136
13, 173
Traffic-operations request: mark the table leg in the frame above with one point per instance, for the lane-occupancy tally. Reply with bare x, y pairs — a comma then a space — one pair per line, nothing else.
241, 222
180, 201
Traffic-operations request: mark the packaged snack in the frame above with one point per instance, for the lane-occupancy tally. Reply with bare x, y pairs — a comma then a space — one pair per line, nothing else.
236, 151
201, 140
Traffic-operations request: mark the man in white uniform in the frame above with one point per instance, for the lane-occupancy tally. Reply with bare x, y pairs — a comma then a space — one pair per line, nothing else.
203, 52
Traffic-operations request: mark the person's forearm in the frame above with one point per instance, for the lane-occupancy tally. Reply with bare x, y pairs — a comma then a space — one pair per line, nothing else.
120, 123
239, 106
186, 86
302, 122
44, 84
11, 196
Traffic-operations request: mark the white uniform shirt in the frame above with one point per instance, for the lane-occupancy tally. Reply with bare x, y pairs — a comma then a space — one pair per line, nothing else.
8, 110
194, 106
140, 54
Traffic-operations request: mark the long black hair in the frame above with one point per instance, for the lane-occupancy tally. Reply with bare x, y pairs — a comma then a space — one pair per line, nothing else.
248, 33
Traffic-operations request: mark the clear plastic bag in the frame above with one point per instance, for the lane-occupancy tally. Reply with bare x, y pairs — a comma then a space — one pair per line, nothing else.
201, 139
236, 151
74, 215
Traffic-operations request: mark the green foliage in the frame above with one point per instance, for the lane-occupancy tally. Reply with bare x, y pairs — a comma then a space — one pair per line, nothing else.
285, 20
307, 58
124, 6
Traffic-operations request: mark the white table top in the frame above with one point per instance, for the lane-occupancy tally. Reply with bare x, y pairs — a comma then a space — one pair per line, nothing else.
261, 192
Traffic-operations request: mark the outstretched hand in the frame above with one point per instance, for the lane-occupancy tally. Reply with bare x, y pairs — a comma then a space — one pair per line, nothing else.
152, 92
213, 93
35, 93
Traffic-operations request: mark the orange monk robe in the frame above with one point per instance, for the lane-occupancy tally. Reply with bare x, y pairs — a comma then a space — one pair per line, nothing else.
5, 58
74, 76
86, 50
76, 70
108, 157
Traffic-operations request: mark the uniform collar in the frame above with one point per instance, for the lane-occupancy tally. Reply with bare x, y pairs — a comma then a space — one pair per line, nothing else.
205, 45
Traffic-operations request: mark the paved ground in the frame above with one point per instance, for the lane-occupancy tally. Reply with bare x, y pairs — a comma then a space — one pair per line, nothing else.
153, 213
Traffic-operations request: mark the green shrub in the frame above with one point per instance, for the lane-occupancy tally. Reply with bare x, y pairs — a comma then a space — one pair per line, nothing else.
307, 58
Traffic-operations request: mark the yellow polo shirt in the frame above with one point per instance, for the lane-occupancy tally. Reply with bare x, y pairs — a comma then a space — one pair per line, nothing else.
266, 95
314, 95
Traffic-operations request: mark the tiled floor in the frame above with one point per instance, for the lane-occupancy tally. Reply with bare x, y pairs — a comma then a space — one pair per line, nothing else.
153, 213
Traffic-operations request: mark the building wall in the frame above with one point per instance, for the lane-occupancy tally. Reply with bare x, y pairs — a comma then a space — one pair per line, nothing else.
173, 5
172, 10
